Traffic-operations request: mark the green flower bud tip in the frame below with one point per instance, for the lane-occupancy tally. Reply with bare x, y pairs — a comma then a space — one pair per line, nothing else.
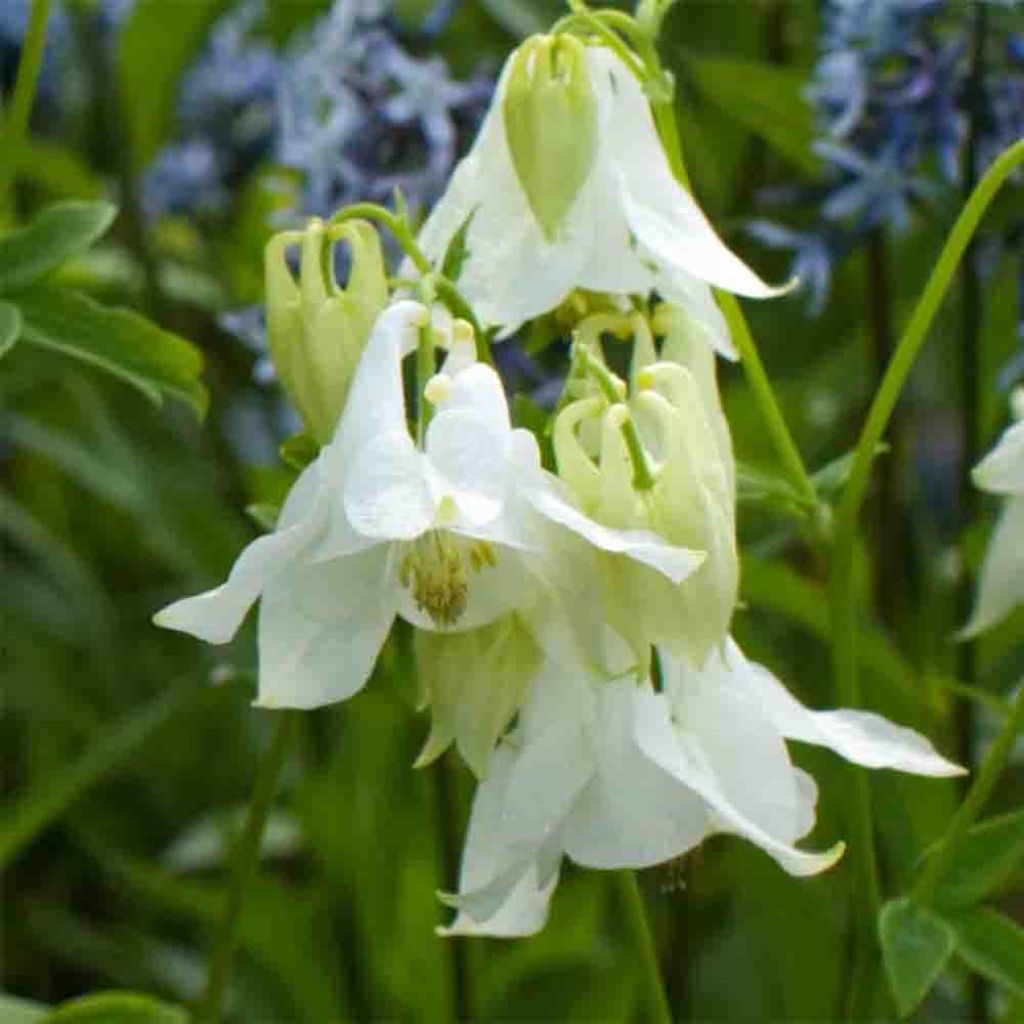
317, 329
551, 125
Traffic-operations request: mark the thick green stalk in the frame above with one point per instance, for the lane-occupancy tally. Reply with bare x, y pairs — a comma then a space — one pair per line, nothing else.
16, 120
977, 796
246, 854
841, 590
639, 930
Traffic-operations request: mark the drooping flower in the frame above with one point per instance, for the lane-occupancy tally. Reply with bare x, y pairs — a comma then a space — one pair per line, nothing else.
1001, 472
614, 775
625, 226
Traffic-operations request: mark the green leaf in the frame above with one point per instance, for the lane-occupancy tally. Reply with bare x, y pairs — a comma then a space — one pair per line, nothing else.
916, 946
832, 477
993, 945
10, 327
116, 340
58, 233
986, 859
116, 1008
155, 46
767, 100
49, 795
264, 515
20, 1011
757, 486
299, 451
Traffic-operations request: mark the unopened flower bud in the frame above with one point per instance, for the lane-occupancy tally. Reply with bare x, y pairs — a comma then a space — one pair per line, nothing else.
316, 328
551, 125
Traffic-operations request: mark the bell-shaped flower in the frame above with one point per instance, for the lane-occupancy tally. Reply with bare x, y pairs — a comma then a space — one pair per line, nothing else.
577, 193
316, 329
1001, 472
378, 526
615, 775
672, 425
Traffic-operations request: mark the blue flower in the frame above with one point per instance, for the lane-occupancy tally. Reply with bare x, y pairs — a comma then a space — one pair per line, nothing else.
814, 255
186, 177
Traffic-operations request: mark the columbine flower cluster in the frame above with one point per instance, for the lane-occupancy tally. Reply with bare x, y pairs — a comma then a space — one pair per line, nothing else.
346, 106
893, 91
571, 618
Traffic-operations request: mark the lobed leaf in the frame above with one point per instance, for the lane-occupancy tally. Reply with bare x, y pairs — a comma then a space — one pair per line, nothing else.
993, 945
11, 323
116, 340
61, 231
116, 1008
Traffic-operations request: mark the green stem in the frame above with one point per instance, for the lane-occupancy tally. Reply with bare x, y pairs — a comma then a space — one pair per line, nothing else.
841, 589
757, 376
245, 857
639, 930
977, 796
16, 121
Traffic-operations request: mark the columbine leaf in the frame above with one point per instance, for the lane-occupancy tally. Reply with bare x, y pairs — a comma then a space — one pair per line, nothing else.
116, 1008
58, 233
916, 946
993, 945
10, 326
123, 343
986, 859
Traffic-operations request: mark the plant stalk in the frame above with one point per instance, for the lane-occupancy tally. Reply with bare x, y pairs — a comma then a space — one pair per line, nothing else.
244, 861
639, 930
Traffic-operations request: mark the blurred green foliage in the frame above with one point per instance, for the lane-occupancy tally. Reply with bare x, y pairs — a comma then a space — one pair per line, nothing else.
129, 753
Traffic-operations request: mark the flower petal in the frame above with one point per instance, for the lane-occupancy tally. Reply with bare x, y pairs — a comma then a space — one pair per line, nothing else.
682, 756
216, 615
632, 813
667, 222
1001, 587
859, 736
387, 493
321, 629
1002, 470
500, 892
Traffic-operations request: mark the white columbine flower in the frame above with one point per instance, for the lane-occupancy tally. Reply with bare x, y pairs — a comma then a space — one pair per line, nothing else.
626, 227
378, 526
615, 775
1002, 575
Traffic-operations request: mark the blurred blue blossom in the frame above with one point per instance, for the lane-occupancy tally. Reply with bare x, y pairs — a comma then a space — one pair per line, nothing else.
893, 93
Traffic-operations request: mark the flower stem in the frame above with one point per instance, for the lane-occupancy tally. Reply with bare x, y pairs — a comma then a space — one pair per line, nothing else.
244, 861
640, 934
977, 796
18, 113
841, 588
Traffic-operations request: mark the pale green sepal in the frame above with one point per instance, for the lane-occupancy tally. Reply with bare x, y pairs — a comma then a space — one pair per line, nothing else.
551, 125
316, 329
474, 683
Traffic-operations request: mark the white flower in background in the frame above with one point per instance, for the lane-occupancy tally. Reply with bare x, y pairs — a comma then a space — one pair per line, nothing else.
614, 775
1001, 472
567, 187
377, 527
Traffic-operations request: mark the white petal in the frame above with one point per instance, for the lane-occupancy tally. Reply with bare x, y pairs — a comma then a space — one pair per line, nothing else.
705, 318
470, 463
387, 492
1002, 470
859, 736
376, 399
667, 222
682, 756
632, 813
1001, 587
321, 629
740, 741
500, 893
216, 615
675, 563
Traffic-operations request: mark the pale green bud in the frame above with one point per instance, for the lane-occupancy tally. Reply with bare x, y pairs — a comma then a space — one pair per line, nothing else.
474, 683
316, 328
551, 125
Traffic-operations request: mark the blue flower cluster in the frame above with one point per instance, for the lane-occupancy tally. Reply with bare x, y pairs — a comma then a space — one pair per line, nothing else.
347, 106
892, 90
